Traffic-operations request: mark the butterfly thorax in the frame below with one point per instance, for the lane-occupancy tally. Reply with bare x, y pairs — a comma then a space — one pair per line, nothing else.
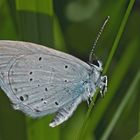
94, 80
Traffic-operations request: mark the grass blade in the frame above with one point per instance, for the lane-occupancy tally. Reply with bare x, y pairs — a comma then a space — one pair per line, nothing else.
115, 82
139, 119
119, 35
43, 6
115, 45
136, 137
123, 104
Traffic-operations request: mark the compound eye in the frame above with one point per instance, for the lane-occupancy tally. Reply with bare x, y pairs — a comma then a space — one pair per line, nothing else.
96, 62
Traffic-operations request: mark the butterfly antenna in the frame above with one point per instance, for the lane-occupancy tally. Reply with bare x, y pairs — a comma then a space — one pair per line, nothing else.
97, 38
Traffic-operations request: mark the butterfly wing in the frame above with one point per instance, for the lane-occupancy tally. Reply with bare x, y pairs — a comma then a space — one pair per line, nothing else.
39, 80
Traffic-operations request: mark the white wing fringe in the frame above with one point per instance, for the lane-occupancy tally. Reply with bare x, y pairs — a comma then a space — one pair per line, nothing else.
64, 113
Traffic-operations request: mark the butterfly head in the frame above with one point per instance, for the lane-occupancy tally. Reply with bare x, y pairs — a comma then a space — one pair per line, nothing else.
96, 78
96, 64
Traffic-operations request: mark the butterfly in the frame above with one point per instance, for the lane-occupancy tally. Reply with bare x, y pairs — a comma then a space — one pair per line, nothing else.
40, 80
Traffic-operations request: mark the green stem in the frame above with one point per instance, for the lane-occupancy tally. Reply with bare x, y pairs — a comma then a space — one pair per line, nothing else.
115, 45
119, 34
121, 107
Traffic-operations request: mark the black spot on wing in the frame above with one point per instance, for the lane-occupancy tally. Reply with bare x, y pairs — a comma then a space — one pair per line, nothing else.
66, 66
40, 58
45, 102
46, 89
56, 103
24, 97
37, 110
31, 79
21, 98
31, 73
66, 80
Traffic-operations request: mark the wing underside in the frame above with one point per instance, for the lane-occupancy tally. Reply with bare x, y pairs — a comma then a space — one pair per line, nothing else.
39, 80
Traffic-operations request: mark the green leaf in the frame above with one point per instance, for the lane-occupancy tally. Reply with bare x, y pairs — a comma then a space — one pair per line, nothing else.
136, 137
40, 130
43, 6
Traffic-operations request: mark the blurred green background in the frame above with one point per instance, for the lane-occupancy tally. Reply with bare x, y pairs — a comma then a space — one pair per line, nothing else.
72, 26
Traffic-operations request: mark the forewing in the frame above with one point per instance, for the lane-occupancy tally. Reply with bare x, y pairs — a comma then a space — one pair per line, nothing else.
39, 80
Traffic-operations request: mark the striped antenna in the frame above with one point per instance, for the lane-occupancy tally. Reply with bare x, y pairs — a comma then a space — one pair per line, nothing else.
97, 38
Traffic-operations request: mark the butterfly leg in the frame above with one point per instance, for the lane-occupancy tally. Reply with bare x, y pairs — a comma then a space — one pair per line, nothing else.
89, 98
64, 113
103, 85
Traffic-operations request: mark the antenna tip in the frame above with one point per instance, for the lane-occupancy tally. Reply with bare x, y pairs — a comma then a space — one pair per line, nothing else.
108, 17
